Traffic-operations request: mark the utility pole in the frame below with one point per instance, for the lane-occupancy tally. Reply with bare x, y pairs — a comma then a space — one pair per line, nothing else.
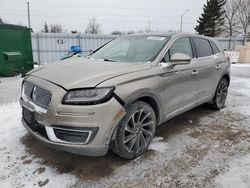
182, 17
28, 8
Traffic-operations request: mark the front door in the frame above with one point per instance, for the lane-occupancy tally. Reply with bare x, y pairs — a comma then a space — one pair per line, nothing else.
180, 82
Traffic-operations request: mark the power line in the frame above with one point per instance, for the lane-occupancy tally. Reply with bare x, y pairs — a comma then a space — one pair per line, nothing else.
105, 7
74, 13
104, 20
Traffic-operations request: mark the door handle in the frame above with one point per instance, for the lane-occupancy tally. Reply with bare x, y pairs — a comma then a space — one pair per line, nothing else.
195, 72
218, 66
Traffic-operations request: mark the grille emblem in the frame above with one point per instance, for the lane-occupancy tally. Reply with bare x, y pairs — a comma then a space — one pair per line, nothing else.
34, 94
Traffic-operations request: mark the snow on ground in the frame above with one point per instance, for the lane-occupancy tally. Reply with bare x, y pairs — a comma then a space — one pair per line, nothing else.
201, 148
17, 168
238, 174
10, 89
158, 145
241, 65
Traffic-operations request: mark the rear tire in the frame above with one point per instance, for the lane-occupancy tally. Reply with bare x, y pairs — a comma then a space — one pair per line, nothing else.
220, 96
135, 131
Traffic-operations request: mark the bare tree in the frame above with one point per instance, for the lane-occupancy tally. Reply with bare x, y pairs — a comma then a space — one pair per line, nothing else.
243, 16
55, 28
1, 21
231, 9
93, 27
45, 28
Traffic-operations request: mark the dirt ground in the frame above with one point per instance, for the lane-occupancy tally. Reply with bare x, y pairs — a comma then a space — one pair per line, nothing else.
196, 149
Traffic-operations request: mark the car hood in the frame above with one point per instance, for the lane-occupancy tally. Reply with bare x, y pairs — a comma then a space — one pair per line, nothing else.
79, 73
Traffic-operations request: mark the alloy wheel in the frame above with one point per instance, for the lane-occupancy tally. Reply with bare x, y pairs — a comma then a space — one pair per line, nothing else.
138, 131
221, 94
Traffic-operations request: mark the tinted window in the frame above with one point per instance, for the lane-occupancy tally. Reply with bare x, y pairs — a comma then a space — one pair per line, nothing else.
181, 45
203, 47
215, 48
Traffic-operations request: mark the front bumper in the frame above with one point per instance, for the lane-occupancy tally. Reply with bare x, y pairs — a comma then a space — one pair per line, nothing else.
71, 148
102, 116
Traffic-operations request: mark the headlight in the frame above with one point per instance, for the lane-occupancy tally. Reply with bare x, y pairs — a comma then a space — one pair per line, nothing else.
88, 96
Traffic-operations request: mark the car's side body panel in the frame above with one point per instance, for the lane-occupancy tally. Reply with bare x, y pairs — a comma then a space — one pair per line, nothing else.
177, 88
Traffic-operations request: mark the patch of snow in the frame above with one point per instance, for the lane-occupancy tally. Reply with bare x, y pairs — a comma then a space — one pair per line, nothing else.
241, 65
15, 172
238, 174
242, 109
10, 89
158, 138
36, 66
158, 146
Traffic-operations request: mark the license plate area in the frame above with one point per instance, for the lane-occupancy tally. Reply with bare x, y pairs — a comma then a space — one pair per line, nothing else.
28, 116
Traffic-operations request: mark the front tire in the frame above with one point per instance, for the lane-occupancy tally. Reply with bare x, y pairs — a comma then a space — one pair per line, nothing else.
135, 131
220, 96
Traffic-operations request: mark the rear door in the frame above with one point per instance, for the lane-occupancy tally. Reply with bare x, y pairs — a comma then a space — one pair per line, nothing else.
208, 63
220, 64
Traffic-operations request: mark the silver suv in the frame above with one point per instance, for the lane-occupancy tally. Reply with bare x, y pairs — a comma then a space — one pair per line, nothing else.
116, 97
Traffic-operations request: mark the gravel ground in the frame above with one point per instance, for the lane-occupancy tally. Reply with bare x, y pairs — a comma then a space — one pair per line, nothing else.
201, 148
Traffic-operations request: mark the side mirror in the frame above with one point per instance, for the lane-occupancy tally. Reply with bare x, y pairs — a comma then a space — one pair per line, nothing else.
180, 59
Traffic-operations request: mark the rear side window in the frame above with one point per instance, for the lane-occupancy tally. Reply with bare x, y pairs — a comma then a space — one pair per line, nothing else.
215, 48
203, 47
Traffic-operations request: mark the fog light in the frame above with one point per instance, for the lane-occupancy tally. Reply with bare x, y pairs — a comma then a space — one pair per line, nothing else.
71, 135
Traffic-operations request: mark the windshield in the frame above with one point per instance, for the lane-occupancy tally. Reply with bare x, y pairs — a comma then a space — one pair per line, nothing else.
131, 49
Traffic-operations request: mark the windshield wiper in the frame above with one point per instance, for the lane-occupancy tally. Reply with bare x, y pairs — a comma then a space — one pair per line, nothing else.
110, 60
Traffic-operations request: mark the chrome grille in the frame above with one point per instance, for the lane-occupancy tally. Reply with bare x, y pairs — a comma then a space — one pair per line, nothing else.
28, 87
39, 96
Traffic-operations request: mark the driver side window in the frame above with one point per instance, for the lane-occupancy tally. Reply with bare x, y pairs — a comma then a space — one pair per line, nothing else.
181, 45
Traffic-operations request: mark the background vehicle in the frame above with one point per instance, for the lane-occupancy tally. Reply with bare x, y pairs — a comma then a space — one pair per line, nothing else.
117, 97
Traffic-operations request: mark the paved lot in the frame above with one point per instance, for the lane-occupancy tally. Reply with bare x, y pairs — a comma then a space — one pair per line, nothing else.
201, 148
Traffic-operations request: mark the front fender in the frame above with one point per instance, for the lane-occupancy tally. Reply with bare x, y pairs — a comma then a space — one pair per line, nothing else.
144, 94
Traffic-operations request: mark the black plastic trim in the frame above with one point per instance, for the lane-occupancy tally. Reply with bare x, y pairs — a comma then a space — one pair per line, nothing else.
193, 47
119, 99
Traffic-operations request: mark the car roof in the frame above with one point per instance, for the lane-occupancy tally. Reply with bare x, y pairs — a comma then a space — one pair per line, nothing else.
151, 34
168, 34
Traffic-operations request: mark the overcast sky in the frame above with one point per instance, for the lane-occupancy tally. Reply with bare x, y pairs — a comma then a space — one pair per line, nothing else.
112, 15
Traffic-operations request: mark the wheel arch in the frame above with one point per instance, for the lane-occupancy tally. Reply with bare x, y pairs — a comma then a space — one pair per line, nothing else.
227, 77
149, 98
